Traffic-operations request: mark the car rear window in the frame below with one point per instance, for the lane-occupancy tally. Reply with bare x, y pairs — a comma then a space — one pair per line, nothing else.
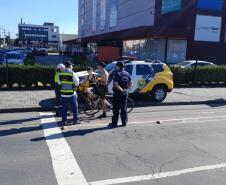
13, 56
158, 68
129, 69
143, 70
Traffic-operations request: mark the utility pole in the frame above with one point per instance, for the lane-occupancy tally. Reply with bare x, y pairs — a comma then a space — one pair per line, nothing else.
4, 32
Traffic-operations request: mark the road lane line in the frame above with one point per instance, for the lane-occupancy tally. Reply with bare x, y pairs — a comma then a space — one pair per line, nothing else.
183, 120
158, 175
64, 163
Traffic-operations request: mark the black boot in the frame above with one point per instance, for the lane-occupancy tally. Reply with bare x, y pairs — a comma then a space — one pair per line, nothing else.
102, 116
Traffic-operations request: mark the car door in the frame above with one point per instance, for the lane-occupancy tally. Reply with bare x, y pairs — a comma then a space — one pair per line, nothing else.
144, 74
130, 69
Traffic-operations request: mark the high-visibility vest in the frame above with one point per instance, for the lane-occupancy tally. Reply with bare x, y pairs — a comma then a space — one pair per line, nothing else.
56, 77
67, 84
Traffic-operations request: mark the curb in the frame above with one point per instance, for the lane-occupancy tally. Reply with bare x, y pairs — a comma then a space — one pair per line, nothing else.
142, 104
28, 109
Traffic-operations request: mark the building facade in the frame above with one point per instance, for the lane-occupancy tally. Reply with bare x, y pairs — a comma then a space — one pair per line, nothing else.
46, 35
166, 30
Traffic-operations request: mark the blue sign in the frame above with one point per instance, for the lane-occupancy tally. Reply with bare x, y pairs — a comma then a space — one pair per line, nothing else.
171, 6
210, 4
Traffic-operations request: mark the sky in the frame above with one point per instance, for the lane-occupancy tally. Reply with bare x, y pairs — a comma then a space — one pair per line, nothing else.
62, 13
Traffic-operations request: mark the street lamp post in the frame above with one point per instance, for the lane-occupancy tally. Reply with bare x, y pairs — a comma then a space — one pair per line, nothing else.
7, 72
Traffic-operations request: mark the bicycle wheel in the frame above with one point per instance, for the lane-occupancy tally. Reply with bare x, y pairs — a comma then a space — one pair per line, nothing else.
92, 107
130, 105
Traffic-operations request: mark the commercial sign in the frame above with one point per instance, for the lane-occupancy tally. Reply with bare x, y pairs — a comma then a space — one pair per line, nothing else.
94, 18
210, 4
102, 14
113, 12
208, 28
171, 6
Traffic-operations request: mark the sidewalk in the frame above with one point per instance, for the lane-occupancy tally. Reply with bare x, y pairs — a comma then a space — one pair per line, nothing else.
22, 101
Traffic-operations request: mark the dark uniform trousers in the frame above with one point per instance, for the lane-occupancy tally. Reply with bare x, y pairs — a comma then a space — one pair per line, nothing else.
58, 98
120, 103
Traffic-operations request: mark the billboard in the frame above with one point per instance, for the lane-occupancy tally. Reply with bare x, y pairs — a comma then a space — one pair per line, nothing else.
113, 12
210, 4
208, 28
94, 17
102, 14
171, 6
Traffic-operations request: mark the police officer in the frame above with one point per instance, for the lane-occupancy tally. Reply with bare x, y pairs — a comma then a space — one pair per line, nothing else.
68, 80
121, 85
60, 68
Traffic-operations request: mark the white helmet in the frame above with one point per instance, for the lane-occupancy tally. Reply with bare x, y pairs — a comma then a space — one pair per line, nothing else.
60, 66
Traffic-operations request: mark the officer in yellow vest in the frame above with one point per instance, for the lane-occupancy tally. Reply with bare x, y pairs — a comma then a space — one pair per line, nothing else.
68, 80
60, 69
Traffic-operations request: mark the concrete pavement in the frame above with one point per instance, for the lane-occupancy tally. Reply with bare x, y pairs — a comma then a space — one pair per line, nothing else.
187, 147
14, 101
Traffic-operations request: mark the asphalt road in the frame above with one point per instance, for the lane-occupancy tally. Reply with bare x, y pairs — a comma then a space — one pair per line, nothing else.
187, 147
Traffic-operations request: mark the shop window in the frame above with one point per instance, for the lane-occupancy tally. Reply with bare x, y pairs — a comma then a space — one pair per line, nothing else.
153, 49
176, 51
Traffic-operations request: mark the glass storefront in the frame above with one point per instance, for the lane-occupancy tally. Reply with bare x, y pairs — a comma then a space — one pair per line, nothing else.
171, 51
176, 51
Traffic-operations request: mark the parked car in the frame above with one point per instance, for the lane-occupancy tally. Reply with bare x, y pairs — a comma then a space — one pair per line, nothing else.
14, 58
193, 63
150, 78
40, 52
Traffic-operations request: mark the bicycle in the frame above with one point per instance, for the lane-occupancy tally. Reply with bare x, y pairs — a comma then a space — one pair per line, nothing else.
94, 106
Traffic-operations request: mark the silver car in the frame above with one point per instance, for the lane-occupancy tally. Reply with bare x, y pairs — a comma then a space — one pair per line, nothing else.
193, 63
13, 58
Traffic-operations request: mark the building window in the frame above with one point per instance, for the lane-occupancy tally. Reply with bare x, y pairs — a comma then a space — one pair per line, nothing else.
102, 14
113, 12
171, 6
54, 36
176, 51
153, 49
210, 4
82, 21
54, 30
94, 14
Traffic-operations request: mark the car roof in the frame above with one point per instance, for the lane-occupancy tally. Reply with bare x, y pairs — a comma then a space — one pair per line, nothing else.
199, 61
14, 52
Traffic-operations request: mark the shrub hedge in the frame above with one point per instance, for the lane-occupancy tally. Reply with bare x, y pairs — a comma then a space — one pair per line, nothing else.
34, 75
29, 75
206, 74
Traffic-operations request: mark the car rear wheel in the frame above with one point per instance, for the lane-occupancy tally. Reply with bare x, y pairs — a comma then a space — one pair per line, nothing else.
159, 94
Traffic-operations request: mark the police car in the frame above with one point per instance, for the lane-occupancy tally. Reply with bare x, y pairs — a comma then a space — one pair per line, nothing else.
152, 78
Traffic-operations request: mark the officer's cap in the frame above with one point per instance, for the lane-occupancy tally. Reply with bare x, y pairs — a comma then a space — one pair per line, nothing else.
60, 66
68, 64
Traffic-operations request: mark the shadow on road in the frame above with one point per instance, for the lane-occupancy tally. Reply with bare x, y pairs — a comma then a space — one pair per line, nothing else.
14, 131
19, 121
71, 133
144, 101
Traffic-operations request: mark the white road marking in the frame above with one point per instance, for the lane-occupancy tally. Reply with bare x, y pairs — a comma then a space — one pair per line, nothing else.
182, 120
64, 163
157, 175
